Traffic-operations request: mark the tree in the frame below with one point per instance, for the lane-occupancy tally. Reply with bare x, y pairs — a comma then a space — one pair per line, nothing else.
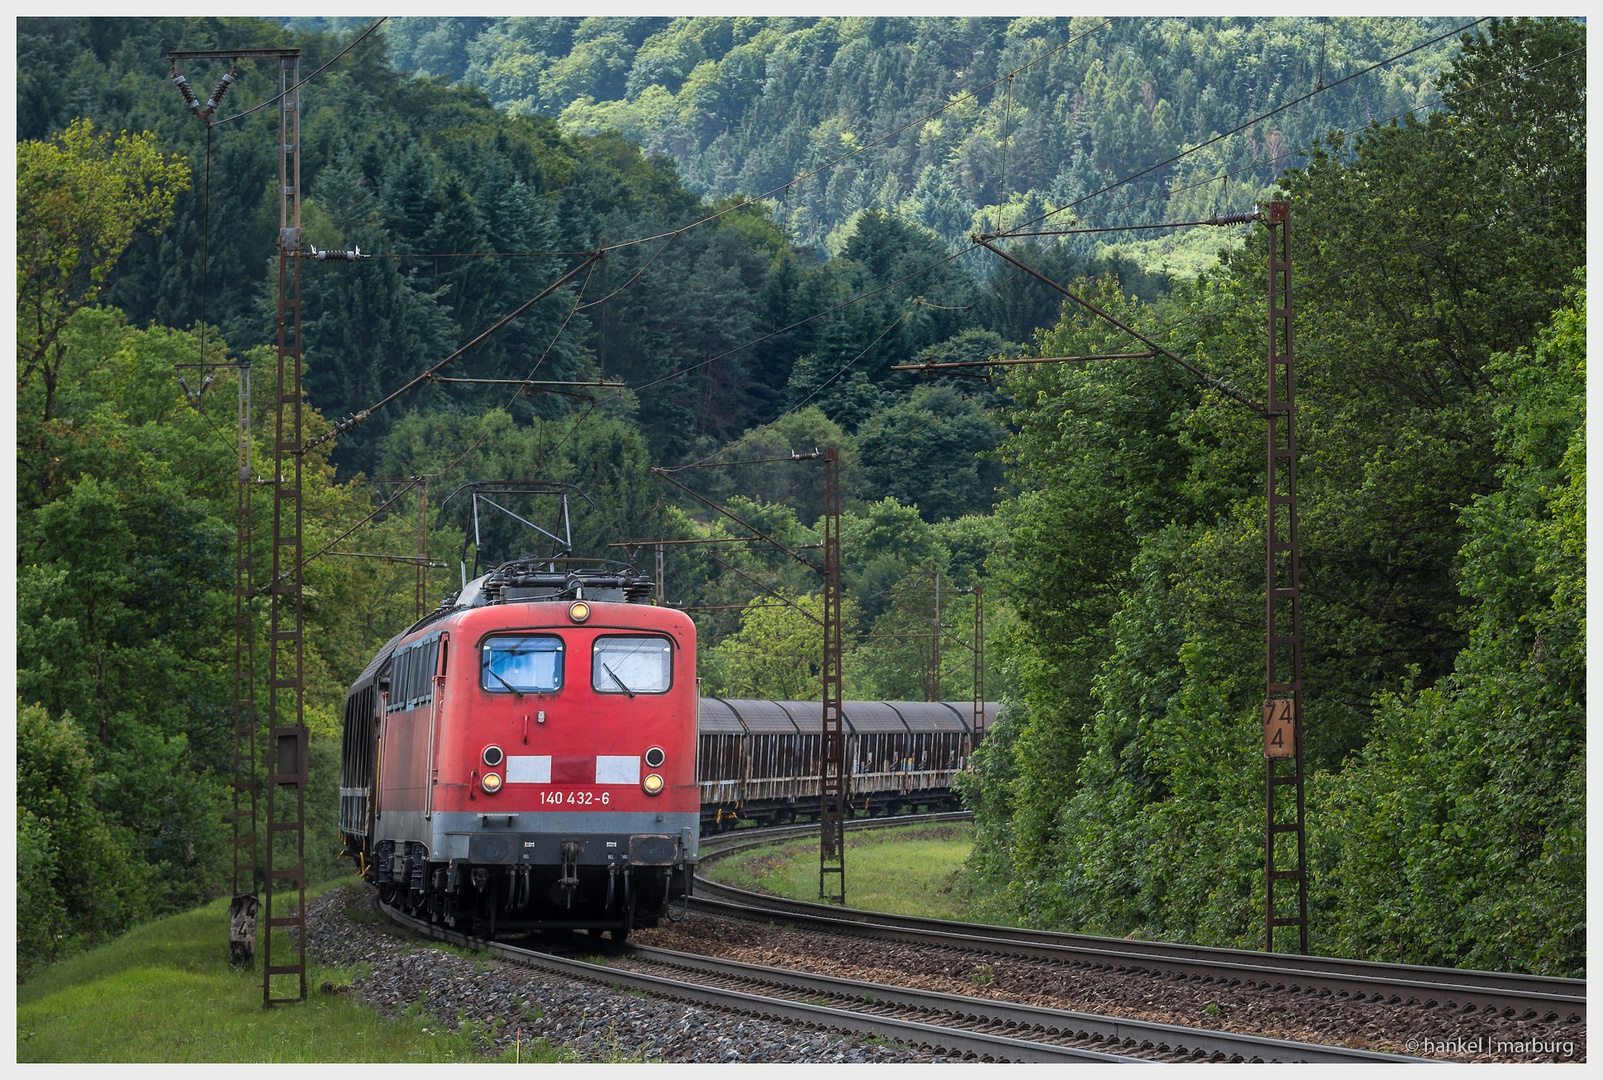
81, 199
929, 452
75, 883
124, 630
778, 652
1457, 836
1446, 820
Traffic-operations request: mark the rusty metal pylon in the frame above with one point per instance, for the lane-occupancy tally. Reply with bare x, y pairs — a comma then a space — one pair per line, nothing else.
1283, 817
978, 722
1282, 710
247, 871
286, 682
834, 787
285, 654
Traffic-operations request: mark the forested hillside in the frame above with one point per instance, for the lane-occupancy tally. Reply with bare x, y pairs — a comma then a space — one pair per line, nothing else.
1113, 511
1438, 290
1043, 111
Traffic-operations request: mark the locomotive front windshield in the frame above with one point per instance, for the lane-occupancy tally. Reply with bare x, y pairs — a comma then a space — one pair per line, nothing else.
632, 665
522, 665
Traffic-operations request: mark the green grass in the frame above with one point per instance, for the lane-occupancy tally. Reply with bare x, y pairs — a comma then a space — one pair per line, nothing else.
165, 992
911, 870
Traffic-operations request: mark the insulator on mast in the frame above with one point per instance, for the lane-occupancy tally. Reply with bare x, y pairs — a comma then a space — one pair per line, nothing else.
327, 255
193, 396
222, 88
191, 102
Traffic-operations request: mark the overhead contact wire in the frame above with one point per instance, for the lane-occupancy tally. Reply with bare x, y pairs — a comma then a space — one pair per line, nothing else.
1260, 162
414, 481
279, 97
920, 302
356, 418
1168, 329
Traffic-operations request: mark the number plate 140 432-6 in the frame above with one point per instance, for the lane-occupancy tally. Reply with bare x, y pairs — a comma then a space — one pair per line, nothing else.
574, 797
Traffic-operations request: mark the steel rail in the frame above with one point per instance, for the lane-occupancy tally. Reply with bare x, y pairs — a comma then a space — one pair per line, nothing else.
935, 1037
1187, 1042
1459, 989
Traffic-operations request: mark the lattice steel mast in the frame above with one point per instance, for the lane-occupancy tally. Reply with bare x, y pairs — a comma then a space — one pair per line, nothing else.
1282, 710
834, 788
286, 660
978, 722
1283, 597
285, 640
244, 675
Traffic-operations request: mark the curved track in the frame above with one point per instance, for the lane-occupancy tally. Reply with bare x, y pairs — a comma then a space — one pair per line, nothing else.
946, 1024
1459, 990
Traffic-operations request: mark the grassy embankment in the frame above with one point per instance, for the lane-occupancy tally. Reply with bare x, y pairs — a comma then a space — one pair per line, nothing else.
911, 870
164, 992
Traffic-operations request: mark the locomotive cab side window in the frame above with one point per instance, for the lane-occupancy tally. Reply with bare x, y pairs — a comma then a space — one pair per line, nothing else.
410, 682
632, 665
521, 664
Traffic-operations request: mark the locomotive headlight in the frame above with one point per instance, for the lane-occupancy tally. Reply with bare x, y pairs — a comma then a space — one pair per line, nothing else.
652, 784
493, 756
491, 783
579, 611
654, 757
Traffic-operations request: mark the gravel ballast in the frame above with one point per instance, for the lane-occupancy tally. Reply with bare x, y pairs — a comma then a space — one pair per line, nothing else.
591, 1022
587, 1021
1398, 1029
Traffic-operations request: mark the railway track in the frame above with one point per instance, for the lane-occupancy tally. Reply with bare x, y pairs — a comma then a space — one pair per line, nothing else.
945, 1024
1512, 996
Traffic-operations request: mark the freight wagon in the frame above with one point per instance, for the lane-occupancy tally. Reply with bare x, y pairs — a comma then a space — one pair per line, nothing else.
758, 760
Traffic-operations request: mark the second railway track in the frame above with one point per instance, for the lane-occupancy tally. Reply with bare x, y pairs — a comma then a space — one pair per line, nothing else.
1511, 997
987, 1027
946, 1024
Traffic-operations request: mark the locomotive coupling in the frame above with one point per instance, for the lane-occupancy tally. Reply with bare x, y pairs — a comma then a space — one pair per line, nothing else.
570, 865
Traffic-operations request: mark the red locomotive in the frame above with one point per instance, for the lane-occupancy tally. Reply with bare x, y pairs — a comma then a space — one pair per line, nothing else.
525, 756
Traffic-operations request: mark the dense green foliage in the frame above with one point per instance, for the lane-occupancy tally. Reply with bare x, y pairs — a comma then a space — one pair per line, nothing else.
126, 493
1440, 503
429, 178
1464, 815
1111, 510
745, 105
125, 532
